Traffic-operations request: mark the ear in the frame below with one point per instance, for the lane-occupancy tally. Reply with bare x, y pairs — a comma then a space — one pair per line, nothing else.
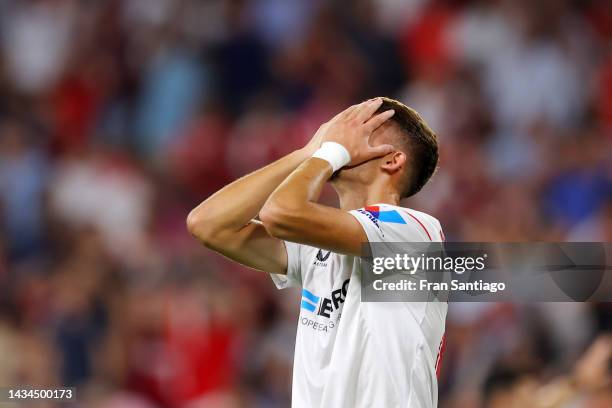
393, 162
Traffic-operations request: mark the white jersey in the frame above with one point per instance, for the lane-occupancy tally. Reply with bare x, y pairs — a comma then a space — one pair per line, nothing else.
354, 354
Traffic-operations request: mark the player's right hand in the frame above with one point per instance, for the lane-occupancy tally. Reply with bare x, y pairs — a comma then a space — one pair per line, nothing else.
353, 127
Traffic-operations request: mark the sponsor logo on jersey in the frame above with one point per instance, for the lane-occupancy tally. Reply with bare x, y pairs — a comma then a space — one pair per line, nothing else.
324, 306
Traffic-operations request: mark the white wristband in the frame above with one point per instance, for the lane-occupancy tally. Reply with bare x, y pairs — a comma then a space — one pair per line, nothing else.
333, 153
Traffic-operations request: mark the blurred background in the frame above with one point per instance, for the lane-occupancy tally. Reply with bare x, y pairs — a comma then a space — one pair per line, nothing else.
117, 117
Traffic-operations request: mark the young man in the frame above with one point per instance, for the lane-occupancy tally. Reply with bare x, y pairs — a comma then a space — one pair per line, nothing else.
348, 353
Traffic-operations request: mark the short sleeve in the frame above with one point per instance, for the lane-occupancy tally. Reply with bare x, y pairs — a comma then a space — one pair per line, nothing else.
293, 278
370, 225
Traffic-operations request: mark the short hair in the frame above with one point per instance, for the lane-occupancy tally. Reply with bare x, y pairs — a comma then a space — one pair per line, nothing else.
421, 143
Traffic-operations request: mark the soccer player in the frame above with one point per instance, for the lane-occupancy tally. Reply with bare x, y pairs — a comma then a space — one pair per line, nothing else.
348, 353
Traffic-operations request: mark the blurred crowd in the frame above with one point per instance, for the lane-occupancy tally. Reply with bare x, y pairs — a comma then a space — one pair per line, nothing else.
118, 116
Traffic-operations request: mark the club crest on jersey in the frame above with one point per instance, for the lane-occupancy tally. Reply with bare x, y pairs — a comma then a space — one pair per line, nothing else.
323, 306
321, 258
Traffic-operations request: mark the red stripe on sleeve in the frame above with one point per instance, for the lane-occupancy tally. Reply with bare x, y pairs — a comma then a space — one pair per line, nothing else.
421, 224
441, 350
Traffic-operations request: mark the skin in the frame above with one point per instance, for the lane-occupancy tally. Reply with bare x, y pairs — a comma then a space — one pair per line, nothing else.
284, 194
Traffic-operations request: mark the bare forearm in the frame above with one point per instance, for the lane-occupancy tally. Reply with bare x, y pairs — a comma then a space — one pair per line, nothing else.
300, 189
293, 214
232, 207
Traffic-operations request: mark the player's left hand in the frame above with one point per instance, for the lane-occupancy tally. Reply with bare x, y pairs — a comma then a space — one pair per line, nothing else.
353, 127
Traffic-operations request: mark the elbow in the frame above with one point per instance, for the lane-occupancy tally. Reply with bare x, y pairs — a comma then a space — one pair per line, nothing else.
276, 220
199, 227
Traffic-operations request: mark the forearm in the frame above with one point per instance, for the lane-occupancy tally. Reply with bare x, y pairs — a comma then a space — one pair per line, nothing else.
300, 190
232, 207
293, 214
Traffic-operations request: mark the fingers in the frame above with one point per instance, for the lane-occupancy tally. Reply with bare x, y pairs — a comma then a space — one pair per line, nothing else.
380, 150
349, 112
362, 111
365, 109
379, 119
